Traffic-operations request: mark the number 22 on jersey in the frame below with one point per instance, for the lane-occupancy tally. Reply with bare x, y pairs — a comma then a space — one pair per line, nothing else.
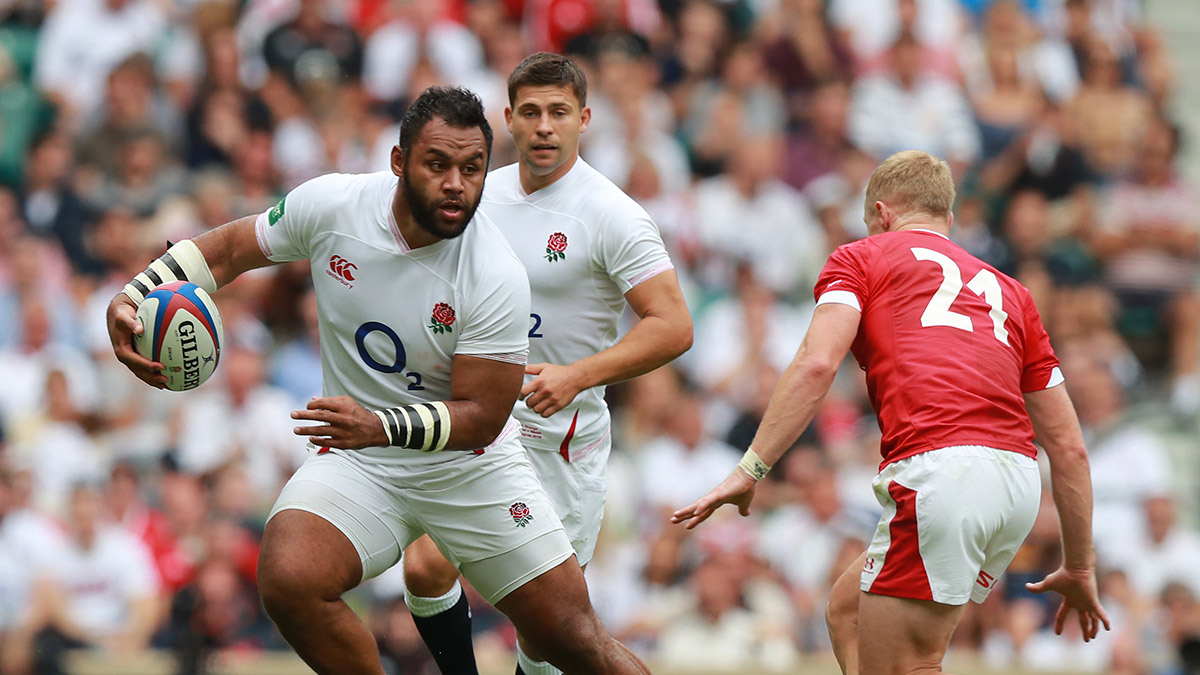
984, 284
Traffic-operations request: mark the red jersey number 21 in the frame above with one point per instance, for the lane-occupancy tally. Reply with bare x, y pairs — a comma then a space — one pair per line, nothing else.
984, 284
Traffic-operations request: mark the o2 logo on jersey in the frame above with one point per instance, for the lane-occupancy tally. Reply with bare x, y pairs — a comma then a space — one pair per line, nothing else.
398, 362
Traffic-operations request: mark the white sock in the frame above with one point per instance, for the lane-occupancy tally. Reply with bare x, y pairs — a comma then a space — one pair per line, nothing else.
424, 607
531, 667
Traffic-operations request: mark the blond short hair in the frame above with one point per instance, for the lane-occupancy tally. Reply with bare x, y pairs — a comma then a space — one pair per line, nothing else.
912, 182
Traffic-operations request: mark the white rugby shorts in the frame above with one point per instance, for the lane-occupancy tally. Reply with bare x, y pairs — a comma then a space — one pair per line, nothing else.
952, 521
487, 513
577, 489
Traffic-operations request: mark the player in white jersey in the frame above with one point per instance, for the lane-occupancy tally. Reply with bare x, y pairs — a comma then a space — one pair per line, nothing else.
423, 319
589, 250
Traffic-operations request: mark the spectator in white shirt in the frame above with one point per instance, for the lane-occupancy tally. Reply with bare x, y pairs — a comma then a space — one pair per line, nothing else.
750, 215
1165, 552
83, 40
908, 110
244, 422
101, 591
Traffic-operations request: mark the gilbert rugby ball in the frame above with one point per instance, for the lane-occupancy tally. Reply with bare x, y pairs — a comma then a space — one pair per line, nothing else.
181, 330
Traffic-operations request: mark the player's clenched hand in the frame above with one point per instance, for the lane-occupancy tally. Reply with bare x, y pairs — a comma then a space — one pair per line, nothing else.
552, 390
343, 424
123, 324
1078, 588
737, 488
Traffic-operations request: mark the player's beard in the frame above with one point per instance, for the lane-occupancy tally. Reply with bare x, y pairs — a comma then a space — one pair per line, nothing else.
424, 212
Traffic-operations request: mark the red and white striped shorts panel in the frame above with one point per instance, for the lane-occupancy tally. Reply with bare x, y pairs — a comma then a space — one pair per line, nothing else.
952, 521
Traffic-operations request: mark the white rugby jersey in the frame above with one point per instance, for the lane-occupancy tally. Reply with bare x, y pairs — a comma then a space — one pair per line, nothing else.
392, 318
584, 243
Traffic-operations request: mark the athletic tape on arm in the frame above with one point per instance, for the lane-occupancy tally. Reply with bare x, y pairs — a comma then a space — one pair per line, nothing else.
181, 262
422, 426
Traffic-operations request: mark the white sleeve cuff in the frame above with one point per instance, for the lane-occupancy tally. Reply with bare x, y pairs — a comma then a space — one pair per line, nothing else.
839, 298
260, 233
1056, 378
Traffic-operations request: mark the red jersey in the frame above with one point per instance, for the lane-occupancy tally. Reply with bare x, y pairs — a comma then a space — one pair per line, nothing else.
949, 343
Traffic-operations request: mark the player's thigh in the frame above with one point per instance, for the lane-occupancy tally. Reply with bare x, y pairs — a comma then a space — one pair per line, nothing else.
577, 489
553, 611
427, 573
363, 510
493, 521
902, 635
949, 515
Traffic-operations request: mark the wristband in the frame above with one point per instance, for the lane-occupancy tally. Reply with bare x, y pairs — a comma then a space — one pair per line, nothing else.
423, 426
753, 465
181, 262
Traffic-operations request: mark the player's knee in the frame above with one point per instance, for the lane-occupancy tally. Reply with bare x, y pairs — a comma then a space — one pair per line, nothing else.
840, 617
289, 588
427, 574
577, 641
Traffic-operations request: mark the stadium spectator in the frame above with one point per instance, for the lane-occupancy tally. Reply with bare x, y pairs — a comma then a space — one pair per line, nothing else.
1148, 240
750, 216
80, 44
906, 107
99, 592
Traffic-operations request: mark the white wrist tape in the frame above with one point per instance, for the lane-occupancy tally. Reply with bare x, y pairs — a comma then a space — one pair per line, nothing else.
181, 262
753, 465
423, 426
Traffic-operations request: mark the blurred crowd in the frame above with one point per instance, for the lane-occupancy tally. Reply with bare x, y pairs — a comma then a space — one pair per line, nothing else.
130, 518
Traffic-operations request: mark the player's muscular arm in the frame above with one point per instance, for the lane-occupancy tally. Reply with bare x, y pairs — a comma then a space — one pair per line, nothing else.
482, 394
797, 396
1058, 432
226, 252
232, 249
663, 331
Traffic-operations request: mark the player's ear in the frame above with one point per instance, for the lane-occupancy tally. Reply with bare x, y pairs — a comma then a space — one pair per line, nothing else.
397, 160
508, 118
950, 220
885, 214
585, 116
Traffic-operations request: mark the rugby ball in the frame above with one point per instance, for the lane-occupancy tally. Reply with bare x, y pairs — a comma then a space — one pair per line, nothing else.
181, 329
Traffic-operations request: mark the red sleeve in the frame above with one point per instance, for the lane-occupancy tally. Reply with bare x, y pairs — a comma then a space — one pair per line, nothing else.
1041, 365
846, 270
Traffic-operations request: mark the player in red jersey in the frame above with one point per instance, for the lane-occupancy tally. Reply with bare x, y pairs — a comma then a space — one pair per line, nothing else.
961, 375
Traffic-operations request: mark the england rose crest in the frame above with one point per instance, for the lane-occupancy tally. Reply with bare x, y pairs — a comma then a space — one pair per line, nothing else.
442, 319
520, 514
556, 247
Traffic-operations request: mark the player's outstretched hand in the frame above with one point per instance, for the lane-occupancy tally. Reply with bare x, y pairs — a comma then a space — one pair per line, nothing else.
1078, 588
123, 324
553, 388
344, 424
737, 488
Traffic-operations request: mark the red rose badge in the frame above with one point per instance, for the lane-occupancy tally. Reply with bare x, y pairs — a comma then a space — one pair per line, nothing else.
520, 514
442, 319
556, 247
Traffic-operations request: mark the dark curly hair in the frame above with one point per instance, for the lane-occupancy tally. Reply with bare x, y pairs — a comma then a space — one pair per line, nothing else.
459, 107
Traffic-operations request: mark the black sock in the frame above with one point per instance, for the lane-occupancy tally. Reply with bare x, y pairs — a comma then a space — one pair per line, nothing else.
448, 636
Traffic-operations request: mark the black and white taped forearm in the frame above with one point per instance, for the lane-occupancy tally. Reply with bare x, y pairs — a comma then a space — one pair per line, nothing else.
181, 262
421, 426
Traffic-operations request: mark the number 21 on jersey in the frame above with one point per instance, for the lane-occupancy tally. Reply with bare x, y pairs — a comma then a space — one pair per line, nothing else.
984, 284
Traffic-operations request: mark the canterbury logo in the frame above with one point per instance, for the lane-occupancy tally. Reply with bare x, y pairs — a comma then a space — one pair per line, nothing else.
342, 267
